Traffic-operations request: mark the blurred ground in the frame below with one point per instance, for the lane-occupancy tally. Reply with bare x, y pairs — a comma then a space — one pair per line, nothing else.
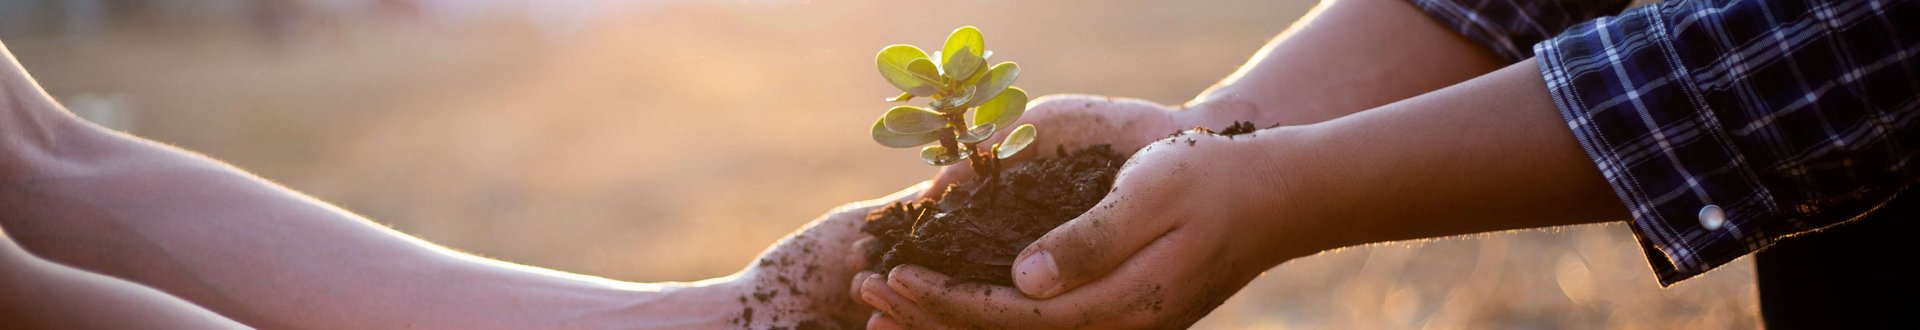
671, 140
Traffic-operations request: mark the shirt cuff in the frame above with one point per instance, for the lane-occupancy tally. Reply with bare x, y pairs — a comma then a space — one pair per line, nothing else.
1621, 86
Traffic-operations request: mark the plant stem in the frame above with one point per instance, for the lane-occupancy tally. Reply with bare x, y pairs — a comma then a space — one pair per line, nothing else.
982, 162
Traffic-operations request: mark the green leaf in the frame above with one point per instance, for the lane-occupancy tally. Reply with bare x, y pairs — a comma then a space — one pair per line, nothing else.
938, 156
977, 74
963, 66
997, 79
967, 38
904, 96
897, 63
1019, 139
1003, 109
896, 140
924, 70
978, 133
955, 101
912, 120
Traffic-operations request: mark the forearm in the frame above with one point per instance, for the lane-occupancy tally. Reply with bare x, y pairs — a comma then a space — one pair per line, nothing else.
268, 256
1343, 57
46, 295
252, 251
1485, 155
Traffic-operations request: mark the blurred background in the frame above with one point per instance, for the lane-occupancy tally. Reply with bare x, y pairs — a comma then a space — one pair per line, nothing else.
657, 140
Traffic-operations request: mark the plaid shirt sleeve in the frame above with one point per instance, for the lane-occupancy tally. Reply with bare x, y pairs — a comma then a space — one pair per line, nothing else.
1726, 125
1510, 27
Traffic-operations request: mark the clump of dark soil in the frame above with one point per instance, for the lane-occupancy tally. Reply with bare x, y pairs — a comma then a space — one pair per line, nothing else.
1238, 128
1235, 129
976, 230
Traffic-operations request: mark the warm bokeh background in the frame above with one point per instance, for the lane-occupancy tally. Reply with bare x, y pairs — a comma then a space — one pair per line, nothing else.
672, 140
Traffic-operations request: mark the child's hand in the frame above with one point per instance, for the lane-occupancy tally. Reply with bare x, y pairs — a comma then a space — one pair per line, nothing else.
801, 278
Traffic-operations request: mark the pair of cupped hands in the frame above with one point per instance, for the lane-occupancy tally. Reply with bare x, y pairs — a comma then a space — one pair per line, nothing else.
1185, 226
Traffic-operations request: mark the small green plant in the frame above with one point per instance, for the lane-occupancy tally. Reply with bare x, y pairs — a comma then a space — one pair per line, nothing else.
959, 82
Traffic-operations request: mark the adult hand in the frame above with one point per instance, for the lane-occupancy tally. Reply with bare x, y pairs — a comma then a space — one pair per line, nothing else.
802, 278
1181, 232
1076, 121
1070, 121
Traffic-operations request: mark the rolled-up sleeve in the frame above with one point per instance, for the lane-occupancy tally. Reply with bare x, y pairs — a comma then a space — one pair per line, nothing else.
1725, 126
1510, 27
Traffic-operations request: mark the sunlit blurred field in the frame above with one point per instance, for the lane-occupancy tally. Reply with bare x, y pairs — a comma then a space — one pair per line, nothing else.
672, 140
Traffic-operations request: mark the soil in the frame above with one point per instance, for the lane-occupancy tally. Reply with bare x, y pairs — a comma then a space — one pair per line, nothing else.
1240, 127
1236, 129
976, 230
974, 233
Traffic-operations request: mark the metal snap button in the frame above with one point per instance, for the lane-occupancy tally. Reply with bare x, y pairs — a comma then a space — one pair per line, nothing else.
1712, 218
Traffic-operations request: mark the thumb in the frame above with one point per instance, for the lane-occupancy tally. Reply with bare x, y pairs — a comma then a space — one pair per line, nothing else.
1088, 247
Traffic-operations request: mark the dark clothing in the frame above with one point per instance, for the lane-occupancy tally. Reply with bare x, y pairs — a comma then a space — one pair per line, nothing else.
1823, 280
1725, 125
1729, 127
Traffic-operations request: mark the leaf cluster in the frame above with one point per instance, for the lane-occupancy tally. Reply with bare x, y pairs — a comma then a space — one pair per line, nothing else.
960, 82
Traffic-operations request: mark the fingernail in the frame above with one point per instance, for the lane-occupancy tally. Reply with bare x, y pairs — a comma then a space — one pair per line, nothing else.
898, 281
1037, 275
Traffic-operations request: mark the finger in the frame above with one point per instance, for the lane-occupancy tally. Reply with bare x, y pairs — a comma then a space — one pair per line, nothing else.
910, 316
880, 321
854, 289
965, 303
857, 257
1140, 293
1089, 246
898, 309
874, 292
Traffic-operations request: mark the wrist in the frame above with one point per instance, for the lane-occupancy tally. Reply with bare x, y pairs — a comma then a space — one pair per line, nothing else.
1266, 104
1285, 206
706, 304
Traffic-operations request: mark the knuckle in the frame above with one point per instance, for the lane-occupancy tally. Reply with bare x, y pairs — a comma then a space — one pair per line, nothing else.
1087, 249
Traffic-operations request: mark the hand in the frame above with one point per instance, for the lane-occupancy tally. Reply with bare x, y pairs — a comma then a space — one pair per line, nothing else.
802, 278
1181, 232
1076, 121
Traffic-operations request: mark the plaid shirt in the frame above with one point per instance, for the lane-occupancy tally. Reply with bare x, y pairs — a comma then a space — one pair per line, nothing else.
1724, 125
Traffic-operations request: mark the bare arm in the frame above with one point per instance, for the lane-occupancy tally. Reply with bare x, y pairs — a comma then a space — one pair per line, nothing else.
270, 257
1340, 58
46, 295
1343, 57
1490, 154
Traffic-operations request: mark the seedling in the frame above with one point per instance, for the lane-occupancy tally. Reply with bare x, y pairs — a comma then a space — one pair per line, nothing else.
958, 84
